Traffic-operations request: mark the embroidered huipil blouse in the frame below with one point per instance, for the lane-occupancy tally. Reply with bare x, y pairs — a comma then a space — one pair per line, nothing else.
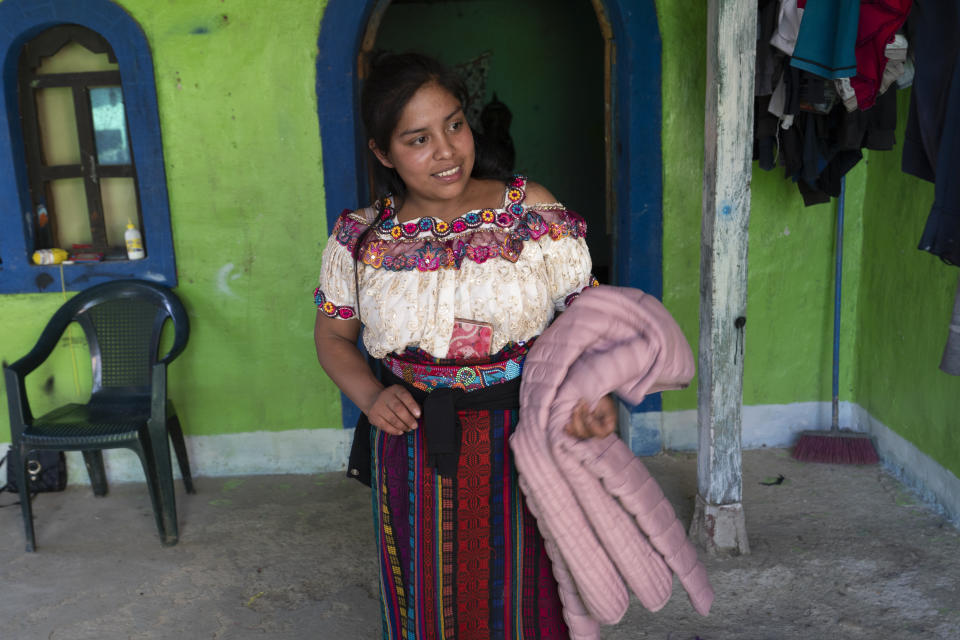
512, 267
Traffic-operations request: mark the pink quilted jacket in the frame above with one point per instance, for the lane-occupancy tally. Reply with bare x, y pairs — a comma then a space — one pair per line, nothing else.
606, 523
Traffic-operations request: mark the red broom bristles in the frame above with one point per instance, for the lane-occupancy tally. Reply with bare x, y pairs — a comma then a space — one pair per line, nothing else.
840, 446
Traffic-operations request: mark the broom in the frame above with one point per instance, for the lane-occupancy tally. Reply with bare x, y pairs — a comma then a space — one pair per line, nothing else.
836, 445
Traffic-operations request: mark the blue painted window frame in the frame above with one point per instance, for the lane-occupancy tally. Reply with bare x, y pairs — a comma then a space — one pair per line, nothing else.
636, 136
20, 21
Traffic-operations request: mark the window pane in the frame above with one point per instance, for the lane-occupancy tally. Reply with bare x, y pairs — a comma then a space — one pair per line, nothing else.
119, 205
75, 57
67, 202
58, 126
109, 125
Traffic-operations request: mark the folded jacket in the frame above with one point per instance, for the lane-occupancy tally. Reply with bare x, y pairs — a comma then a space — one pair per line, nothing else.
604, 519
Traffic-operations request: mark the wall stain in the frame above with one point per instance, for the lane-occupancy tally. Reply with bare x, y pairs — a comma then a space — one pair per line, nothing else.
221, 21
68, 340
43, 280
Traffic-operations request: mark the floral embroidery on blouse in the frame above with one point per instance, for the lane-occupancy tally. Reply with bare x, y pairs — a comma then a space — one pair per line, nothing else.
576, 294
428, 244
411, 279
329, 309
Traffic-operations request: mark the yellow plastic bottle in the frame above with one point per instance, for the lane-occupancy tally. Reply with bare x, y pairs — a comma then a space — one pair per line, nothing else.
49, 256
134, 242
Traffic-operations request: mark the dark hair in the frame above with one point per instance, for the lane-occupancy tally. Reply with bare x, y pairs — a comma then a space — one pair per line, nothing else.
392, 81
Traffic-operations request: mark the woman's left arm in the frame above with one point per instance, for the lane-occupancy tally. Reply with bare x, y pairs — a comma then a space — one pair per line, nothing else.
601, 420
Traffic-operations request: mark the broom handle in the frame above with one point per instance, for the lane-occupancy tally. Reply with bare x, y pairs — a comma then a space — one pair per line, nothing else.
835, 418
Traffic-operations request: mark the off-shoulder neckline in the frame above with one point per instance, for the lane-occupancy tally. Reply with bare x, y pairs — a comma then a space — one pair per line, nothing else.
514, 193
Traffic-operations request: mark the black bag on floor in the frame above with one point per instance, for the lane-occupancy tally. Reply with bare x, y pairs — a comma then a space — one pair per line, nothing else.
46, 471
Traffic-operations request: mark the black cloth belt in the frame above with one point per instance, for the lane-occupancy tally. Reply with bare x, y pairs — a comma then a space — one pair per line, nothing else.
441, 426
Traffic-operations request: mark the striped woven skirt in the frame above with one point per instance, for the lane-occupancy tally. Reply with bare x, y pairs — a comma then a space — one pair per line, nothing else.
460, 557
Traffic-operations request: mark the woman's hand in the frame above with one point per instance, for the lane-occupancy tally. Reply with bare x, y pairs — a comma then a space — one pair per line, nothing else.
394, 411
600, 422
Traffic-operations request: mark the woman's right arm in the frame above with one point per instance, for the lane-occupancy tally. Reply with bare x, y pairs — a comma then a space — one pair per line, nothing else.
391, 409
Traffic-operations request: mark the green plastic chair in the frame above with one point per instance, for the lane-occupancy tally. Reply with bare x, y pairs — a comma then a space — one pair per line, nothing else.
128, 406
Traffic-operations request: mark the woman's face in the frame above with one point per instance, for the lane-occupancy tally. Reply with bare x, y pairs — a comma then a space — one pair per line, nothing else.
432, 146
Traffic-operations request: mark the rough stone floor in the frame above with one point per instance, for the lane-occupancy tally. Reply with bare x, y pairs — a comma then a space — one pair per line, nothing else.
836, 552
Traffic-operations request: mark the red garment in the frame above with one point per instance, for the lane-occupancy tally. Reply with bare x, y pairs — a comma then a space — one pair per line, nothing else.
879, 21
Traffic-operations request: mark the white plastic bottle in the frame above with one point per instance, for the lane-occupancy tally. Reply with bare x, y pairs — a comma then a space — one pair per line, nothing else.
134, 242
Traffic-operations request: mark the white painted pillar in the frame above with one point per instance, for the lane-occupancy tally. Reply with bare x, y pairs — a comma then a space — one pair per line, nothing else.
718, 522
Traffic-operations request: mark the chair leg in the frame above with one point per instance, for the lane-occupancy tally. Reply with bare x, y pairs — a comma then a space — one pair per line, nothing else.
164, 480
180, 448
98, 478
24, 490
145, 452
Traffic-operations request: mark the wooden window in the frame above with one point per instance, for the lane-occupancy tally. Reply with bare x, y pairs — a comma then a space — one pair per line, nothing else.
79, 96
82, 178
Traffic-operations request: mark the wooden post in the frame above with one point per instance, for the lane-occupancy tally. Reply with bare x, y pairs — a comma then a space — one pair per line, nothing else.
718, 522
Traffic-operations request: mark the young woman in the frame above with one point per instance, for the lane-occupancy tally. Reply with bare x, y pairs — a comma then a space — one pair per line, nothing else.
452, 274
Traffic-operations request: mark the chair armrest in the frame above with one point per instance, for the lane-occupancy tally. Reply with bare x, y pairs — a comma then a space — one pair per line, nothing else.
17, 403
178, 346
14, 374
40, 352
46, 342
181, 332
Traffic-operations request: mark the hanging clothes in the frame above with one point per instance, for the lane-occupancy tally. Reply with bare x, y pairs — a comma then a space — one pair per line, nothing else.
768, 57
896, 52
931, 148
827, 38
813, 124
788, 26
879, 22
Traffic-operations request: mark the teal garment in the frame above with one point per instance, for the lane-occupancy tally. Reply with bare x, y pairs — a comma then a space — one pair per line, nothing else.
827, 39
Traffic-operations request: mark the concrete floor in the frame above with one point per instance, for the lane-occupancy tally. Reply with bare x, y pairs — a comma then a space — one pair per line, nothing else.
837, 552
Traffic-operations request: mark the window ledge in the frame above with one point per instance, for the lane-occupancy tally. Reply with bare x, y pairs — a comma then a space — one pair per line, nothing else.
31, 278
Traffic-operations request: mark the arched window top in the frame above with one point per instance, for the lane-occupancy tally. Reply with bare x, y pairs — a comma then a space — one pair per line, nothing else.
49, 42
68, 48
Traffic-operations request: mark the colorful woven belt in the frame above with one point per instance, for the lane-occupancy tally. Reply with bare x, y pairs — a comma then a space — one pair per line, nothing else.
424, 372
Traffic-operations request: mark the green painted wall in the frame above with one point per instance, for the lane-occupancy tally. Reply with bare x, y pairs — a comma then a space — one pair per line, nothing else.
906, 298
683, 72
237, 102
